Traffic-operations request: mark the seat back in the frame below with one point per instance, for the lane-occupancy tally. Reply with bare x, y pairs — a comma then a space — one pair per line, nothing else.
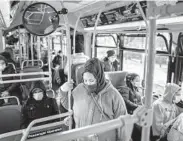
79, 71
10, 118
117, 78
74, 69
32, 69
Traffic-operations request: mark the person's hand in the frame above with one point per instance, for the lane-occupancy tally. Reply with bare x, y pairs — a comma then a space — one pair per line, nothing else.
5, 94
67, 86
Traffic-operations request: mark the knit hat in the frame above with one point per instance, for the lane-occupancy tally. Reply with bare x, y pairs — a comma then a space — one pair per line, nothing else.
110, 53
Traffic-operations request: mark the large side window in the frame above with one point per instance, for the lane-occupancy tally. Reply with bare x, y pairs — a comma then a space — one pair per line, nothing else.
134, 60
104, 43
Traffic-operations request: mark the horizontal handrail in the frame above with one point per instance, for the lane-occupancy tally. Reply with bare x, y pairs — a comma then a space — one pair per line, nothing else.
25, 80
25, 74
89, 130
40, 127
10, 97
25, 134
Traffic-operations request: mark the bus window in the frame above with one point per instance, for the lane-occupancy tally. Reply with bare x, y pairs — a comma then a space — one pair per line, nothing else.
134, 61
105, 43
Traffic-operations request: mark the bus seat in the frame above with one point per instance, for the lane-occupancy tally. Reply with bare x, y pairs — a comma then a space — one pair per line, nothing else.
32, 69
74, 69
79, 72
10, 118
117, 78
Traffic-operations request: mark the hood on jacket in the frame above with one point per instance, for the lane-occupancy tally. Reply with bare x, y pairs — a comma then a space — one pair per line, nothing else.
37, 85
170, 91
4, 59
95, 67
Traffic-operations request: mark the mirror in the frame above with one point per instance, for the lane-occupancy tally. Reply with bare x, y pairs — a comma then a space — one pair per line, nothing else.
40, 19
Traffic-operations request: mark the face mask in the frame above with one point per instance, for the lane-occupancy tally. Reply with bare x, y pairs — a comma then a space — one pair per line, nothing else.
91, 88
38, 96
2, 67
137, 84
112, 59
177, 99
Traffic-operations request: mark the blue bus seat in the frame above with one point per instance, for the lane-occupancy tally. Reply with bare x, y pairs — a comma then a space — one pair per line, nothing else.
10, 118
117, 78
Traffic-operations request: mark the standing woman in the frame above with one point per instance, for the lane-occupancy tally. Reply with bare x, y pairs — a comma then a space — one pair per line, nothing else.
95, 100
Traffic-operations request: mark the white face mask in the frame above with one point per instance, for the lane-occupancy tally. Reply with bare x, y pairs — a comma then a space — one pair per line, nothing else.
38, 96
112, 58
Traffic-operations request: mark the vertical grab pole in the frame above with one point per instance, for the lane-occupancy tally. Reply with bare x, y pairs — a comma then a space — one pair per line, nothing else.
150, 70
94, 32
32, 52
39, 47
20, 48
146, 42
69, 60
74, 36
49, 62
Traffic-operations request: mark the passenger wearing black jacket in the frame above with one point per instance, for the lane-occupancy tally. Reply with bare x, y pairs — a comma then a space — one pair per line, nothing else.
38, 105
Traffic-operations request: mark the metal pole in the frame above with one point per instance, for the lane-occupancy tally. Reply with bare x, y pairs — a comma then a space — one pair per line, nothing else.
69, 60
38, 47
74, 36
84, 131
32, 52
150, 73
49, 62
94, 33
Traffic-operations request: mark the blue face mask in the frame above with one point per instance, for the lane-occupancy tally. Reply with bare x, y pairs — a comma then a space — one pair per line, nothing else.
91, 88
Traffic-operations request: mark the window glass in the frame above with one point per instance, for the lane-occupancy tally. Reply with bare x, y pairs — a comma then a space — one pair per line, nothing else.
139, 42
106, 41
102, 52
134, 62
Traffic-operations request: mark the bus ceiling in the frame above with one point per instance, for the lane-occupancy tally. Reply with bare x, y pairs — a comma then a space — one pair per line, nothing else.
116, 16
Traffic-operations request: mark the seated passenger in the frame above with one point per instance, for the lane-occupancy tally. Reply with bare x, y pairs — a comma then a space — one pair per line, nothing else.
8, 57
64, 58
130, 92
38, 105
95, 100
110, 62
10, 89
164, 109
174, 130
